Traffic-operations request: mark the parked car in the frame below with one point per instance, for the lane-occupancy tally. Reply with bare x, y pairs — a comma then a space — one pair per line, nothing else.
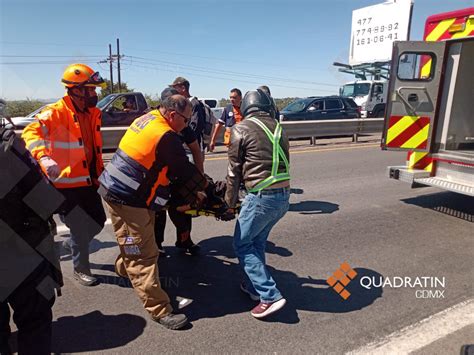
320, 108
22, 122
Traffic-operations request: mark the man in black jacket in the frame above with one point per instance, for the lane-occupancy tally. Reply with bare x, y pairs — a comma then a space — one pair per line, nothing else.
196, 123
29, 267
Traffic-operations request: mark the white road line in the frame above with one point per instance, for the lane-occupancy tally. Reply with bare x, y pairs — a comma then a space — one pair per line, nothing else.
422, 333
62, 229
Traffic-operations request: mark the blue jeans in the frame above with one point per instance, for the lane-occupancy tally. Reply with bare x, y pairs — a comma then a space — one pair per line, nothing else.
259, 213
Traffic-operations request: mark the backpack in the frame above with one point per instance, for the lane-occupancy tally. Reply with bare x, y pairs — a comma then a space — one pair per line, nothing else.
208, 124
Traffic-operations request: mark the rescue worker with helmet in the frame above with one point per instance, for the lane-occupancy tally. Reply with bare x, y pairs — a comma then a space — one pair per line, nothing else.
66, 140
29, 267
258, 157
136, 184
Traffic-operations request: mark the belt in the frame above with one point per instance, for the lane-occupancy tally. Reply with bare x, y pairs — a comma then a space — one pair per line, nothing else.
272, 191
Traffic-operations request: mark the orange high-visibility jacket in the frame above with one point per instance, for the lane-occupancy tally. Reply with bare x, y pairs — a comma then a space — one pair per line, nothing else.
134, 174
56, 133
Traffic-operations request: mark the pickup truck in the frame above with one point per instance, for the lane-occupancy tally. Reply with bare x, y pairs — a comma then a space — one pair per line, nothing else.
112, 106
115, 111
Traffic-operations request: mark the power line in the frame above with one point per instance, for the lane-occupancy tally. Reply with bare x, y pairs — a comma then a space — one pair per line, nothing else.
50, 56
226, 72
44, 62
53, 44
219, 59
156, 67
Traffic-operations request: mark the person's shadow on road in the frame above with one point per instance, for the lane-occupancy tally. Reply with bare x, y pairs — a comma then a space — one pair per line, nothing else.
212, 283
94, 246
93, 331
313, 207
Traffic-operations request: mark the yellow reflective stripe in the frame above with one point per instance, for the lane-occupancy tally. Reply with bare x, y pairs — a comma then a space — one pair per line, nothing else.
415, 157
440, 28
400, 127
469, 28
429, 167
418, 138
426, 69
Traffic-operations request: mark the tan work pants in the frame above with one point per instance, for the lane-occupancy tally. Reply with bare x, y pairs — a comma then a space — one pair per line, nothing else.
134, 229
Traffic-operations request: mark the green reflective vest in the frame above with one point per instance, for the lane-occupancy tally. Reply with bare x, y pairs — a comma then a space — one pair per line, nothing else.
278, 154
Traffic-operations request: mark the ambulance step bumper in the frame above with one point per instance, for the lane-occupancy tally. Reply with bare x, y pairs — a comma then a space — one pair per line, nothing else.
447, 185
404, 174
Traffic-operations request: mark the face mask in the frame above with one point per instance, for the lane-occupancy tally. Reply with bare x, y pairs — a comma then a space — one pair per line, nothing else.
91, 101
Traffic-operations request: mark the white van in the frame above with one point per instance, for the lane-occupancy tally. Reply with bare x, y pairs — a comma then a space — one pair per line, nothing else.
212, 103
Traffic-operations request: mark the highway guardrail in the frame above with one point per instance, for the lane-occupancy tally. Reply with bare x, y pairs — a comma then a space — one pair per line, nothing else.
294, 129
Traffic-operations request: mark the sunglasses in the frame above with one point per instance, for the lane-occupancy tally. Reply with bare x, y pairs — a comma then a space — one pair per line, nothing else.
186, 119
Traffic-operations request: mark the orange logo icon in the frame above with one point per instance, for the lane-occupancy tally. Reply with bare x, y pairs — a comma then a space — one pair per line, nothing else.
341, 278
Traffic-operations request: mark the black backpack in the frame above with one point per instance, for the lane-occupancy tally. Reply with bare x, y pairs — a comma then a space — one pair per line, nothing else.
205, 127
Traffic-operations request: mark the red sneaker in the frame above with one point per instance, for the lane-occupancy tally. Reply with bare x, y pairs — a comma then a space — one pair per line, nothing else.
264, 309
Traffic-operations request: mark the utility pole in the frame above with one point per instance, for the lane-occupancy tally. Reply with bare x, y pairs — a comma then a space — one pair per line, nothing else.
111, 71
118, 66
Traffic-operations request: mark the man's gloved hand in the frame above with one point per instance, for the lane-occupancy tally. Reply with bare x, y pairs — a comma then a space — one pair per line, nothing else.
51, 167
228, 215
200, 198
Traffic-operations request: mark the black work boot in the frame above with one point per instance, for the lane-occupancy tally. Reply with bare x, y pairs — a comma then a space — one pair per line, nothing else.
173, 321
85, 278
185, 243
188, 247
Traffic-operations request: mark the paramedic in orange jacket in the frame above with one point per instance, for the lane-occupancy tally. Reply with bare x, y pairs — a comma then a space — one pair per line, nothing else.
65, 139
136, 184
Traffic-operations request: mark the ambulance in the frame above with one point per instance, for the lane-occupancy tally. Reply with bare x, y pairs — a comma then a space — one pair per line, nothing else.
430, 108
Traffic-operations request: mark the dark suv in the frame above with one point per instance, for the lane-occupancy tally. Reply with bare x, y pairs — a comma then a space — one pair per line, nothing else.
320, 108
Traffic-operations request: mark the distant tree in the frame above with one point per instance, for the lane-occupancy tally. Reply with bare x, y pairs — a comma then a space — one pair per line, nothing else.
224, 102
21, 108
152, 101
108, 90
283, 102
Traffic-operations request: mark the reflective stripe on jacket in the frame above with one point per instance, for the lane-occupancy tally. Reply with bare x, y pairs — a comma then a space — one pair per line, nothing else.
56, 133
134, 175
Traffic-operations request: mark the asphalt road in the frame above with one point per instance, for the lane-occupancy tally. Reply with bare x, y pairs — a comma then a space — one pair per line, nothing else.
343, 209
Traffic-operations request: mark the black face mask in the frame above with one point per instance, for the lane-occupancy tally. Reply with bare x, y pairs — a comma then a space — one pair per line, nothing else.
91, 101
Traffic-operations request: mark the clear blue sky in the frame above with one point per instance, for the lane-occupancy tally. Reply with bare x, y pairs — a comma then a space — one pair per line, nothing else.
289, 45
